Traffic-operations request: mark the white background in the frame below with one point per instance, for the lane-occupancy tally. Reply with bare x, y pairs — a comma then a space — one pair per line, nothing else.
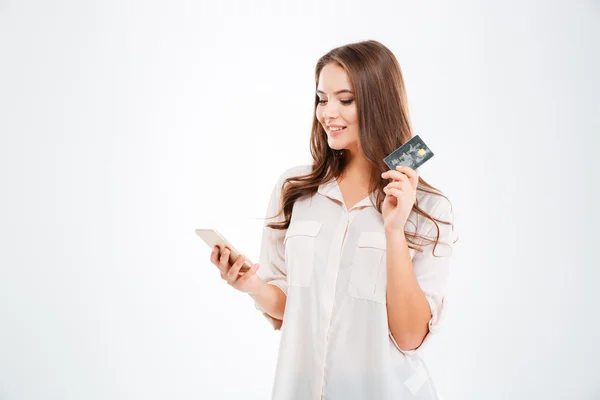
125, 125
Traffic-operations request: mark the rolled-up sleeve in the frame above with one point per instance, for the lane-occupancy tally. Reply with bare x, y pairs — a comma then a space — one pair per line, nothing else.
432, 271
272, 268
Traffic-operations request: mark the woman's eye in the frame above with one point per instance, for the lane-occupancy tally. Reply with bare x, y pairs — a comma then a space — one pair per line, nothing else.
346, 102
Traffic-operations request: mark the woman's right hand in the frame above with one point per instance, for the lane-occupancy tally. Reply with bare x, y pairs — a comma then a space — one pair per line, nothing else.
246, 282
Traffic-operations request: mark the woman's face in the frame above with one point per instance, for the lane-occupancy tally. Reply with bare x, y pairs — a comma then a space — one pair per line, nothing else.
337, 108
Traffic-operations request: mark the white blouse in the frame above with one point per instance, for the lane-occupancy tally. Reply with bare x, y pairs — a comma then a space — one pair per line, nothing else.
335, 340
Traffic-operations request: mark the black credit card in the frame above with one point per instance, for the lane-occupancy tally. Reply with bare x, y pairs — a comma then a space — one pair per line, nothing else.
412, 154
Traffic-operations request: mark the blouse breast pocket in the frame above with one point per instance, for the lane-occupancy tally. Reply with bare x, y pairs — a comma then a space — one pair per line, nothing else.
368, 274
300, 246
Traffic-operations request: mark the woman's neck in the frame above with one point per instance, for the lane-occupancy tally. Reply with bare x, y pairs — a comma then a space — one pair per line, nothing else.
358, 169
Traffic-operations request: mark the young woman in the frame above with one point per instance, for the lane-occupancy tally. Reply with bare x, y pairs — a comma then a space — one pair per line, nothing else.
354, 260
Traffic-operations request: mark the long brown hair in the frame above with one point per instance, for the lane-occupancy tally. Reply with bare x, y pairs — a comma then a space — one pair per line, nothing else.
383, 124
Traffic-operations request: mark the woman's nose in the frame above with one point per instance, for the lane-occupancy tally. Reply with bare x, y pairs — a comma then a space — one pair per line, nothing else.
330, 111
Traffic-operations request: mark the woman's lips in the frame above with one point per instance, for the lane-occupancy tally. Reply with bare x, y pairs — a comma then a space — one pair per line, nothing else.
336, 132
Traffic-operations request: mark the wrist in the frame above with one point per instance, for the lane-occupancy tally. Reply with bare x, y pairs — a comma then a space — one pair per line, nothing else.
257, 288
394, 233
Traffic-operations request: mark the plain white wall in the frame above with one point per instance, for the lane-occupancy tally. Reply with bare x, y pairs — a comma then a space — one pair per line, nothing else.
125, 125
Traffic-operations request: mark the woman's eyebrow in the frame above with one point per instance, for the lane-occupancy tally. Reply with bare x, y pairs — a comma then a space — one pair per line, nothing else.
338, 92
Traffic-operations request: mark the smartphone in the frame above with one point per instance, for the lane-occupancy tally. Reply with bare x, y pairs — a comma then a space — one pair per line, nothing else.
213, 238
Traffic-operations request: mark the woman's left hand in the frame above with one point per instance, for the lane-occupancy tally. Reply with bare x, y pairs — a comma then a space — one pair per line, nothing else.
401, 194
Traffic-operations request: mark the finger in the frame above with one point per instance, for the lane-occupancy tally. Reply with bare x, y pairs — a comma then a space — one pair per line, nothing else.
244, 278
214, 256
239, 263
397, 193
407, 170
411, 173
404, 185
233, 273
224, 260
395, 175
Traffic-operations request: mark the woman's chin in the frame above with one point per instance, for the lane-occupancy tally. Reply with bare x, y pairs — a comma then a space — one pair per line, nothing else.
336, 145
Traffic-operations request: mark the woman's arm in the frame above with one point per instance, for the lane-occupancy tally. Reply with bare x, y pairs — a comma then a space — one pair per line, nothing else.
407, 307
416, 288
270, 299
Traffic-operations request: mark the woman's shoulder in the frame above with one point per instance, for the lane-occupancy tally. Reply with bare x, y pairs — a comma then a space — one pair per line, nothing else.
296, 170
439, 207
435, 204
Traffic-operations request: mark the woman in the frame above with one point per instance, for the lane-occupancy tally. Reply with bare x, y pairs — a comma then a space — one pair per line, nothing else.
354, 264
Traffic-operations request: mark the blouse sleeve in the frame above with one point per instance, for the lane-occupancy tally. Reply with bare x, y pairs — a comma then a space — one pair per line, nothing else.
272, 268
432, 271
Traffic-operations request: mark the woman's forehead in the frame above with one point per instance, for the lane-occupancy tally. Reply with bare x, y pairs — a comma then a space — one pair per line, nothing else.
333, 79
